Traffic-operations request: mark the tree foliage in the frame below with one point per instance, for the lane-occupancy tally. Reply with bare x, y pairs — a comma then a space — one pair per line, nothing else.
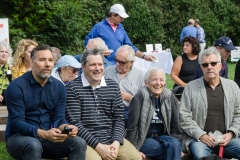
65, 23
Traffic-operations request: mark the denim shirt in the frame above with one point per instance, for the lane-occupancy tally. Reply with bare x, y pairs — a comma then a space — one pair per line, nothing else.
32, 107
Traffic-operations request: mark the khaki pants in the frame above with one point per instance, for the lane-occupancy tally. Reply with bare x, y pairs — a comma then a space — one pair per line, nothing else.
126, 152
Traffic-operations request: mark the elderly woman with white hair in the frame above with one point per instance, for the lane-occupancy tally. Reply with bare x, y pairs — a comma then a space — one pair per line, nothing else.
153, 119
67, 70
5, 65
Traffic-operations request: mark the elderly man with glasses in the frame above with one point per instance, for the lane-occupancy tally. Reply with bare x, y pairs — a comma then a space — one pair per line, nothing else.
224, 45
208, 104
129, 79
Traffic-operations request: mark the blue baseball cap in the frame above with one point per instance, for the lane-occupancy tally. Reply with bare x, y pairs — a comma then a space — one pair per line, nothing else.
225, 42
68, 60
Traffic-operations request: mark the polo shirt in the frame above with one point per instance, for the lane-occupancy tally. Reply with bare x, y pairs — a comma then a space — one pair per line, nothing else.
98, 112
113, 39
32, 107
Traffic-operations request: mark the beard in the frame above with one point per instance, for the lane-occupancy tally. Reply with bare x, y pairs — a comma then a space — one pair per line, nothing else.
44, 76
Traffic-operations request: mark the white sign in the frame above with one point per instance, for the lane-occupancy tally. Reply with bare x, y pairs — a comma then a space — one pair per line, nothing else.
158, 47
149, 48
235, 55
4, 30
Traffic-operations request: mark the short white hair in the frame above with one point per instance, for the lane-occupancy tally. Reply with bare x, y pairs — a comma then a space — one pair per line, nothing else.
153, 70
99, 43
129, 49
209, 51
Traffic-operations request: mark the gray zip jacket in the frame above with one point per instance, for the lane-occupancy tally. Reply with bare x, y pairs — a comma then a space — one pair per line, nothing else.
141, 111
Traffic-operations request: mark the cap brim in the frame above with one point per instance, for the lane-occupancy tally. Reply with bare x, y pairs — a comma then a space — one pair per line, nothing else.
230, 47
76, 65
124, 15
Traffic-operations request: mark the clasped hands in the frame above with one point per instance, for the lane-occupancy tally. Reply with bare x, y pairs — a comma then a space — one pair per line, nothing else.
108, 152
209, 140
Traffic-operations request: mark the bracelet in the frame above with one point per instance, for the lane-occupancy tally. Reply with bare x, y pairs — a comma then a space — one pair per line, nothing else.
143, 56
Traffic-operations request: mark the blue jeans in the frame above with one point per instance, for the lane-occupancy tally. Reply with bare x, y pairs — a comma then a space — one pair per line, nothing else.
199, 149
27, 148
162, 148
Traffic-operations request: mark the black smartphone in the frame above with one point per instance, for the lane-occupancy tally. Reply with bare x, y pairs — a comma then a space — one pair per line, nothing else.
66, 130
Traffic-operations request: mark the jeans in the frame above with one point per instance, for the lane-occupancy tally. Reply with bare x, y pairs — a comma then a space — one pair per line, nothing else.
162, 148
199, 149
28, 148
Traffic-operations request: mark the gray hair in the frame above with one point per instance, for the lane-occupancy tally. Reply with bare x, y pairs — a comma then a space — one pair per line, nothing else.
209, 51
99, 43
56, 53
89, 52
153, 70
129, 49
9, 49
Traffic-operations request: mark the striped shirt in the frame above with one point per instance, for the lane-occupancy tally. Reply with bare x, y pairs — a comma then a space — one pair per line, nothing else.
98, 113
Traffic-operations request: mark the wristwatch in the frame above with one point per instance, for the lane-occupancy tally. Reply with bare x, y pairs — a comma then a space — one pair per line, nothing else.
143, 56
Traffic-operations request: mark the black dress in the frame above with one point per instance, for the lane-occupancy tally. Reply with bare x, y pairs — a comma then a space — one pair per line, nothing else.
186, 73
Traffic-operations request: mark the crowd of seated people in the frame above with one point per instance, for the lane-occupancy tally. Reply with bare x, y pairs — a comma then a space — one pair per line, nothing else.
85, 107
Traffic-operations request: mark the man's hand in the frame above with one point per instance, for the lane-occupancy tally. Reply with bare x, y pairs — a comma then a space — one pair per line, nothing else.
149, 57
74, 131
226, 139
53, 135
106, 52
126, 96
142, 155
115, 147
105, 152
208, 140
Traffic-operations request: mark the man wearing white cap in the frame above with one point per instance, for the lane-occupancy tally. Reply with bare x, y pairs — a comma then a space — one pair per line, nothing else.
67, 69
114, 35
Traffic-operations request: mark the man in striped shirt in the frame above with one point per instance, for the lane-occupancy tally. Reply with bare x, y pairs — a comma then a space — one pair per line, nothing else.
95, 106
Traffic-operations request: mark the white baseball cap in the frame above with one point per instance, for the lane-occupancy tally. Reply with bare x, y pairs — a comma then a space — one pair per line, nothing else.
119, 9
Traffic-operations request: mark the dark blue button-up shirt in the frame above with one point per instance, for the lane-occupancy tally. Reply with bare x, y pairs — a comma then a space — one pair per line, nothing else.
31, 106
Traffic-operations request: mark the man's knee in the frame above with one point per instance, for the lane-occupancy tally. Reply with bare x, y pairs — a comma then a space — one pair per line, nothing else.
91, 154
80, 143
128, 151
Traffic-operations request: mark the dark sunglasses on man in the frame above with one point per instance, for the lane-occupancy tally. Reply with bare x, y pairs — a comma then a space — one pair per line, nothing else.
120, 62
205, 65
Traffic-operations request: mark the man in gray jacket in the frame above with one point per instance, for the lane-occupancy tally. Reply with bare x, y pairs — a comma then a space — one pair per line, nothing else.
154, 119
208, 104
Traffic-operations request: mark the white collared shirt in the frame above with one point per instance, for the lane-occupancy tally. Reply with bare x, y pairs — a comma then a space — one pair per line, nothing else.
86, 83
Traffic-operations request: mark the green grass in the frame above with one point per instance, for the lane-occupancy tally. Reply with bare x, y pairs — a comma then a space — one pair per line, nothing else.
169, 84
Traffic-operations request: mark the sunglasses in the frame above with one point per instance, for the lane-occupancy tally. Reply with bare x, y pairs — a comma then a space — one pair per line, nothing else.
205, 65
75, 70
120, 62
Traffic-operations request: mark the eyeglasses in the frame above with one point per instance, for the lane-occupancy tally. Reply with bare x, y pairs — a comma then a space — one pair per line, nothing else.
205, 65
75, 70
120, 62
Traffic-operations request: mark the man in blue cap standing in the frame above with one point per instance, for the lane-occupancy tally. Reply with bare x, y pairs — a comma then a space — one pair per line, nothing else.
224, 45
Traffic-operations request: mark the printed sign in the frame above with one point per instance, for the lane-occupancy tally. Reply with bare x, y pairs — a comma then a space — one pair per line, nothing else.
4, 30
235, 55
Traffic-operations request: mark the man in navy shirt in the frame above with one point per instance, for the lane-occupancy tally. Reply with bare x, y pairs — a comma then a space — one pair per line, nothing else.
36, 106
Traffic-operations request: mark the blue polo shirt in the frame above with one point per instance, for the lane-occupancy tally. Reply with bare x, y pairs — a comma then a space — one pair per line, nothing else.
31, 106
113, 39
